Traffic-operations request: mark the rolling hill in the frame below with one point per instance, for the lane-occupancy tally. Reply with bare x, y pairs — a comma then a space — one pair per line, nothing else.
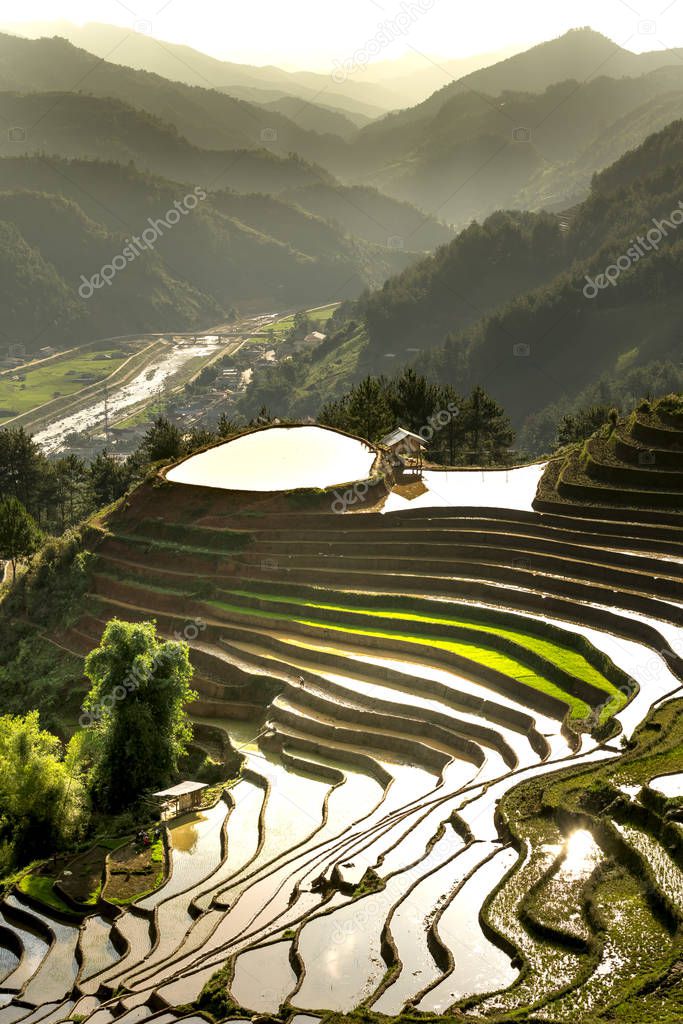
503, 305
76, 125
480, 152
66, 219
205, 116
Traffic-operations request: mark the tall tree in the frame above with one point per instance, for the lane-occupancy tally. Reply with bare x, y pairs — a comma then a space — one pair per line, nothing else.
414, 400
140, 690
163, 441
21, 462
485, 432
364, 411
582, 424
20, 536
40, 793
108, 479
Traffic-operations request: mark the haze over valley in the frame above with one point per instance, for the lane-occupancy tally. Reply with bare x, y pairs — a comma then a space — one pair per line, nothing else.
341, 513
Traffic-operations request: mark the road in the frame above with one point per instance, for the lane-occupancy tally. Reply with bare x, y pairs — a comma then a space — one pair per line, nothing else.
146, 385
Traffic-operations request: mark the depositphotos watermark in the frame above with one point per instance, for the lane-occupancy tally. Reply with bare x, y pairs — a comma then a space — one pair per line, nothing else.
137, 676
387, 33
640, 247
138, 244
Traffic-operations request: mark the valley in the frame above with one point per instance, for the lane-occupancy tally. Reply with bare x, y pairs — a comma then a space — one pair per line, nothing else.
341, 514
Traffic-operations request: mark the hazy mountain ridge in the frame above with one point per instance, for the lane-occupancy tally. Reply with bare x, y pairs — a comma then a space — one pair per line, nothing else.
206, 117
68, 219
530, 344
75, 126
385, 85
459, 156
480, 153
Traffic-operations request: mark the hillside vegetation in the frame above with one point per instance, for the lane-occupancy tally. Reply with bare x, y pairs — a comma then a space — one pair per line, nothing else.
633, 463
510, 303
64, 220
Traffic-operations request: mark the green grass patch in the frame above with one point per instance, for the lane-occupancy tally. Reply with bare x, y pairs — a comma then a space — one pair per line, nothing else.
41, 888
502, 663
562, 656
60, 378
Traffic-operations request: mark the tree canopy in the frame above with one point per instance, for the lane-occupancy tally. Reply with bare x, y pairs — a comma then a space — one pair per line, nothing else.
40, 793
137, 704
20, 536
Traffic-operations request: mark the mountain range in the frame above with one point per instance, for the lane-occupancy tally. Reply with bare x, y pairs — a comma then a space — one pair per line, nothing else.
512, 304
387, 85
309, 200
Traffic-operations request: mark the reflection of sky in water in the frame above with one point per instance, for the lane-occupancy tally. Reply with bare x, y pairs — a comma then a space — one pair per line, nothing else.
583, 853
186, 836
280, 458
669, 785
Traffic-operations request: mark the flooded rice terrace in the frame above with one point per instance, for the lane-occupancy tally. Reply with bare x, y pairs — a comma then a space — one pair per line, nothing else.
279, 459
361, 859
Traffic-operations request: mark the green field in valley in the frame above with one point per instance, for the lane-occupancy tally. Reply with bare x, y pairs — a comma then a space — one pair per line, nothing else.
25, 390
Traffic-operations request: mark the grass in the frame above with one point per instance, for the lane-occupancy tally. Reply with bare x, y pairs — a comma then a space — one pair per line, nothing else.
616, 903
282, 326
42, 384
41, 888
502, 663
564, 657
490, 658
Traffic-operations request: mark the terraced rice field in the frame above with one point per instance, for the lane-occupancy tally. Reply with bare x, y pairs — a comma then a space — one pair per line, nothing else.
393, 681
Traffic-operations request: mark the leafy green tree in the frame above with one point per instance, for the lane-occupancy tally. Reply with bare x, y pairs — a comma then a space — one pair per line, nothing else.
163, 441
70, 474
21, 465
137, 702
303, 325
108, 479
41, 794
414, 400
20, 536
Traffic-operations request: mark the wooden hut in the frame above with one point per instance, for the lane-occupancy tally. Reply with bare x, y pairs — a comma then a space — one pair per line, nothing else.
180, 799
407, 449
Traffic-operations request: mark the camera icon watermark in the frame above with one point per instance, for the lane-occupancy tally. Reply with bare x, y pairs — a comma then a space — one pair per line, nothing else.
647, 27
647, 458
521, 350
521, 134
396, 242
16, 134
270, 564
521, 563
143, 27
269, 135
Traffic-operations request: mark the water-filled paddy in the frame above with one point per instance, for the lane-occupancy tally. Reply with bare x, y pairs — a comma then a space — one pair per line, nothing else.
513, 489
279, 459
670, 786
263, 978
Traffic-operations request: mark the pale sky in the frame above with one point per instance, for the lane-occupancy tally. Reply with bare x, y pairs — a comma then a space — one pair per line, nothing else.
315, 33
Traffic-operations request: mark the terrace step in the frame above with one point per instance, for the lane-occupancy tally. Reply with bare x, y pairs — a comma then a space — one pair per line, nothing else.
293, 656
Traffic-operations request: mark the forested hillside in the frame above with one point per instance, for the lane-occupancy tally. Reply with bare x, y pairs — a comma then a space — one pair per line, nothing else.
64, 220
509, 304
